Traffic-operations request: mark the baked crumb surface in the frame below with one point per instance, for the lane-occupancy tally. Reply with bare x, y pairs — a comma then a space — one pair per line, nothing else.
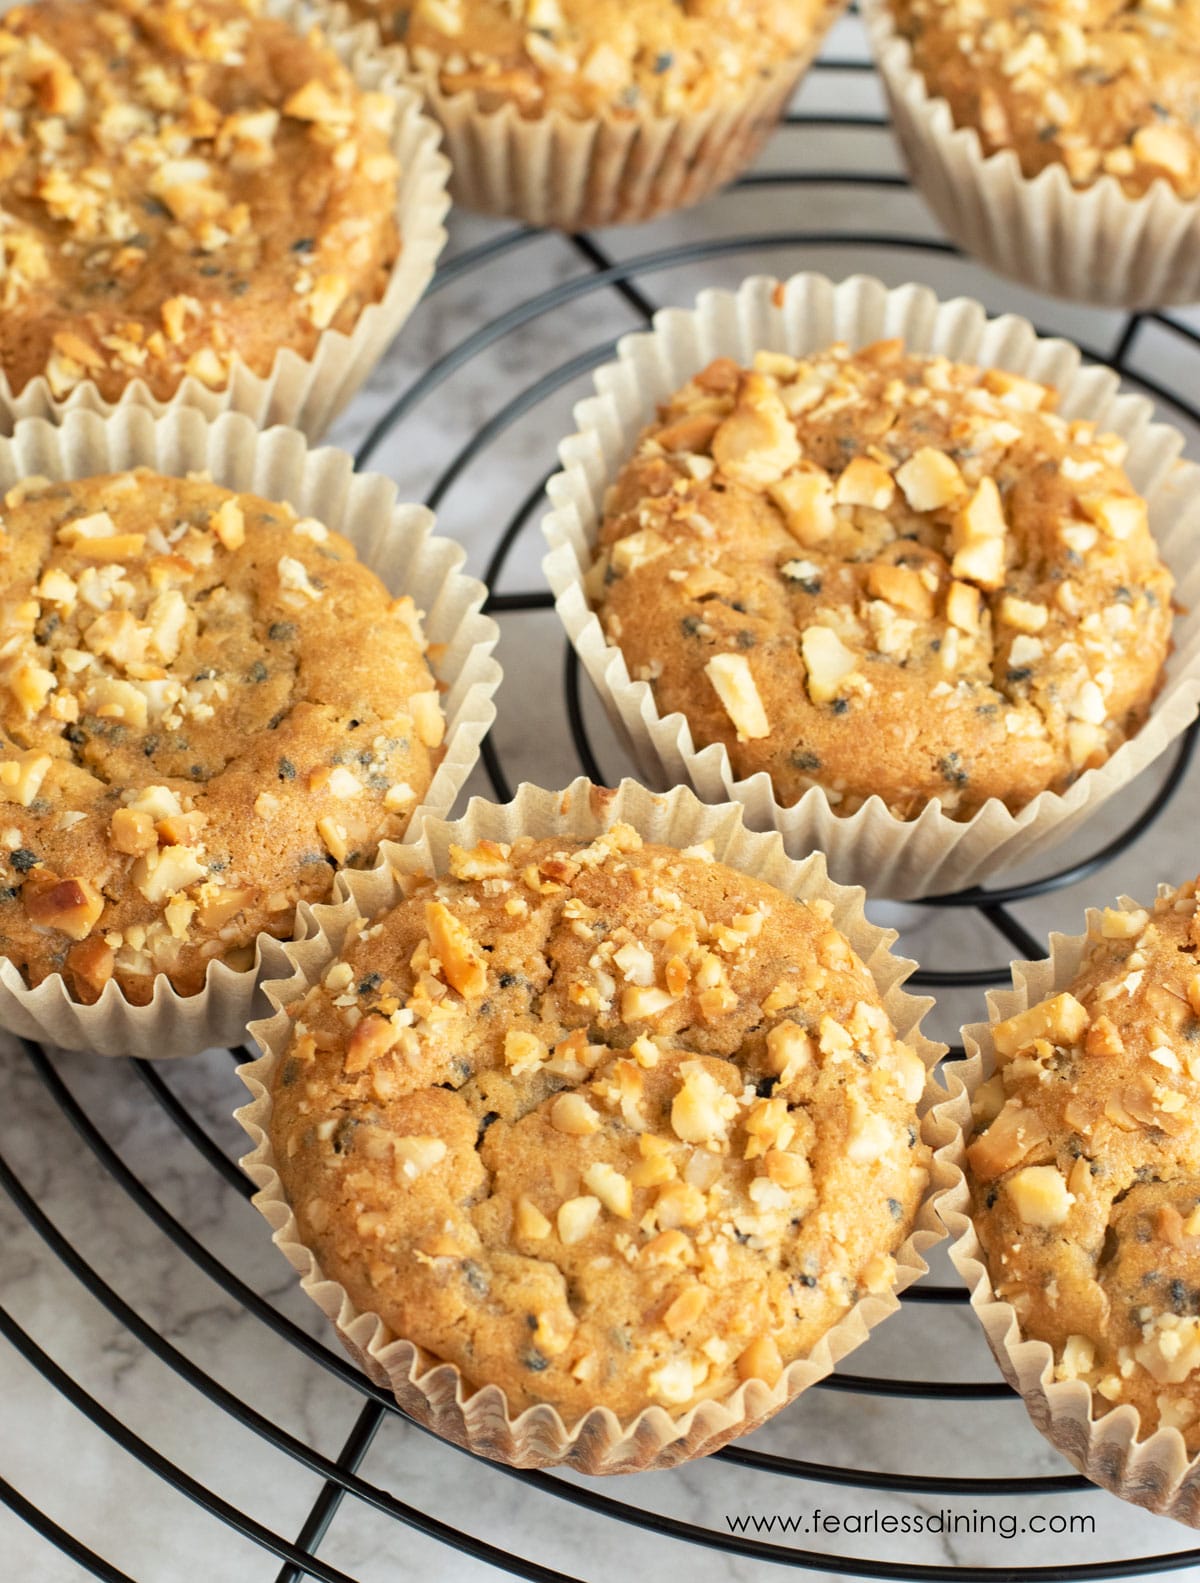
885, 573
181, 181
1086, 1166
189, 745
586, 57
1101, 89
604, 1124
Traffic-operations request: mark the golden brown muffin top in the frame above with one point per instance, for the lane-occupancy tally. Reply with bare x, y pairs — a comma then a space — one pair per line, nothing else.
180, 181
602, 1124
1099, 87
188, 742
584, 57
1086, 1165
881, 572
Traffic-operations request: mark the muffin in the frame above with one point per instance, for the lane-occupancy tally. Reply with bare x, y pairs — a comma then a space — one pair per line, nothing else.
1085, 1167
888, 575
189, 188
589, 112
593, 1128
1099, 90
190, 745
1074, 1219
1059, 144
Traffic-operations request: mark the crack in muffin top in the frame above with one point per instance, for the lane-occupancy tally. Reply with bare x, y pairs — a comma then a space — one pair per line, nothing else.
187, 740
1086, 1166
885, 573
181, 181
601, 1123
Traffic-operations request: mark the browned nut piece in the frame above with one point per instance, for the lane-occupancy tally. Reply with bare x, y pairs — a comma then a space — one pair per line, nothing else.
89, 967
133, 832
761, 1361
370, 1041
73, 906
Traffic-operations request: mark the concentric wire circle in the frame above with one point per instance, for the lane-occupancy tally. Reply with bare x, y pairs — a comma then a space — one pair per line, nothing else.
343, 1492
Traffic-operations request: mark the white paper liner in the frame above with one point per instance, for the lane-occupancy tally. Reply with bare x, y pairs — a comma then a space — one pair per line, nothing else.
576, 173
396, 541
892, 857
1091, 244
433, 1392
308, 393
1099, 1439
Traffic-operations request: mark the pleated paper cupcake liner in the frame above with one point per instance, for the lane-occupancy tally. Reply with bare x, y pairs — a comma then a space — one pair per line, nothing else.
1102, 1441
1092, 244
435, 1393
307, 393
396, 541
574, 173
900, 858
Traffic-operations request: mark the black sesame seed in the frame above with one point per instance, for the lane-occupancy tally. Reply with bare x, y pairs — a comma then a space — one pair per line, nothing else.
258, 672
895, 1208
343, 1134
802, 759
952, 771
287, 770
23, 859
281, 631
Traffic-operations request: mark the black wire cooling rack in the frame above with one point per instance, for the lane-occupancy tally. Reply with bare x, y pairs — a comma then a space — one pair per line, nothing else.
341, 1492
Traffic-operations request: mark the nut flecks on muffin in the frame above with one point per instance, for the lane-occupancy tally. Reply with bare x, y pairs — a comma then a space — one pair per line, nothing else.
1086, 1166
182, 182
601, 1124
188, 744
1101, 90
885, 573
587, 57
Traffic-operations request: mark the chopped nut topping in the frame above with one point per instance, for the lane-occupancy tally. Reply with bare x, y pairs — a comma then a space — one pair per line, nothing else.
145, 144
962, 548
735, 686
554, 1140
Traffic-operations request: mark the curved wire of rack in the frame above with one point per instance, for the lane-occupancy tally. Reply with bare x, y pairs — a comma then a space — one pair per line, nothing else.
340, 1477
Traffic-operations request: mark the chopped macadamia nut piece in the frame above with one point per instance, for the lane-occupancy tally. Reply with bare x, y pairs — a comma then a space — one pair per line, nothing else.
828, 661
930, 480
1039, 1195
733, 680
1061, 1019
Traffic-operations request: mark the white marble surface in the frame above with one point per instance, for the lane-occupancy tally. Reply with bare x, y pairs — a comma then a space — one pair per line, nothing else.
150, 1532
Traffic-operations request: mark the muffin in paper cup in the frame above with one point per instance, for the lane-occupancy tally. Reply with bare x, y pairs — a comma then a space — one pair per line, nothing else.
930, 853
1094, 244
575, 172
435, 1392
1104, 1440
393, 540
307, 392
